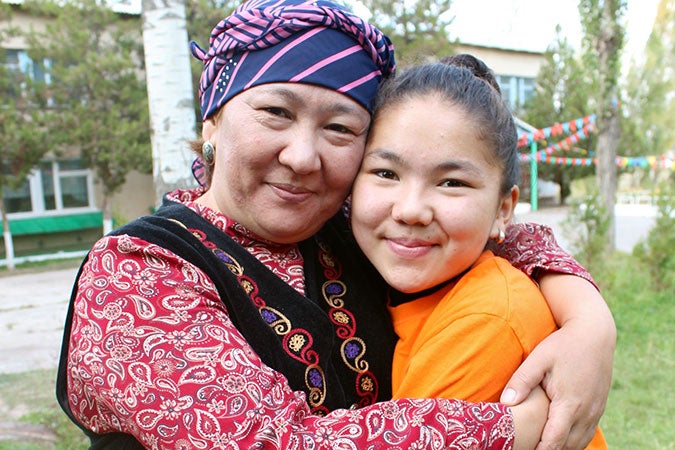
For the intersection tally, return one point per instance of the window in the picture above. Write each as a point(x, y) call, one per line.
point(18, 200)
point(516, 90)
point(54, 186)
point(19, 65)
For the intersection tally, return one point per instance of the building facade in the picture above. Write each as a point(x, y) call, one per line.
point(58, 207)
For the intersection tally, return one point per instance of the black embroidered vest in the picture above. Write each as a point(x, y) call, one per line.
point(335, 344)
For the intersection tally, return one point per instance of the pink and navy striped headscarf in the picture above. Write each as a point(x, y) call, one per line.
point(315, 42)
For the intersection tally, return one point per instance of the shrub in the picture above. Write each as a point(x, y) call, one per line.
point(656, 251)
point(587, 228)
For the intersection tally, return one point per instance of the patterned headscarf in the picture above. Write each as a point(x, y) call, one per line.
point(316, 42)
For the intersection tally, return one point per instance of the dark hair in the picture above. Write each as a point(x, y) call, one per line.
point(465, 81)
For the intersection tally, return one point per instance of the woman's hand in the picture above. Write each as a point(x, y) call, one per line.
point(574, 364)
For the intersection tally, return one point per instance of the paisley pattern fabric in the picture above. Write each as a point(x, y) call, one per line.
point(175, 373)
point(154, 353)
point(532, 248)
point(285, 261)
point(299, 342)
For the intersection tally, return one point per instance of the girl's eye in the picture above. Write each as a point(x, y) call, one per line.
point(453, 183)
point(384, 173)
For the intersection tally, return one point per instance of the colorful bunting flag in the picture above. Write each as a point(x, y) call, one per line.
point(580, 129)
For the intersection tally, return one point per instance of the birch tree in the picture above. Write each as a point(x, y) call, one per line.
point(603, 41)
point(170, 95)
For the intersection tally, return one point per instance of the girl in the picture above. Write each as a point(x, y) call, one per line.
point(436, 189)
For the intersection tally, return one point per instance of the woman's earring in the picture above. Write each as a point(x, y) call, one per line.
point(501, 237)
point(208, 152)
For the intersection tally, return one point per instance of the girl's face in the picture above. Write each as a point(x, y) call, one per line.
point(427, 197)
point(286, 157)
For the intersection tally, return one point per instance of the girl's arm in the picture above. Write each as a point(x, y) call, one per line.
point(574, 364)
point(529, 418)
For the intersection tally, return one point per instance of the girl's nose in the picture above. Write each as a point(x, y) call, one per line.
point(411, 208)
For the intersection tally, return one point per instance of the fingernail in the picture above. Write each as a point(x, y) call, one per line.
point(508, 396)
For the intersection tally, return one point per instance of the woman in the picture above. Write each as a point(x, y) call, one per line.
point(183, 323)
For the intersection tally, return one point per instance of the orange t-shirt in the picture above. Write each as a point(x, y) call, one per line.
point(467, 339)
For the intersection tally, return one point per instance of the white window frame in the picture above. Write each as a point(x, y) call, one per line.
point(37, 193)
point(516, 89)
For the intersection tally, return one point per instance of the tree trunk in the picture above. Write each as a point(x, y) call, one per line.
point(107, 215)
point(169, 84)
point(608, 141)
point(608, 116)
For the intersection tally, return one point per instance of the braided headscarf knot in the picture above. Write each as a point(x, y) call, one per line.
point(316, 42)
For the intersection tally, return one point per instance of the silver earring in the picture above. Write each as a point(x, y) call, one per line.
point(208, 152)
point(501, 237)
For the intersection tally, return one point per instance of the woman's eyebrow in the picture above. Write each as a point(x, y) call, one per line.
point(289, 95)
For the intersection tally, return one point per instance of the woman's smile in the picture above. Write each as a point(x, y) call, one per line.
point(290, 192)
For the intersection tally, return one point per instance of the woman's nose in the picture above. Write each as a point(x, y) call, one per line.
point(301, 154)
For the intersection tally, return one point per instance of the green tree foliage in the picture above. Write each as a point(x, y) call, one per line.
point(561, 94)
point(25, 140)
point(656, 251)
point(202, 16)
point(97, 89)
point(417, 28)
point(648, 119)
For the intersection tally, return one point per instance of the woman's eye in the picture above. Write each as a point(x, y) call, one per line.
point(339, 128)
point(276, 111)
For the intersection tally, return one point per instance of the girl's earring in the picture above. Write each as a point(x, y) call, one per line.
point(208, 152)
point(501, 237)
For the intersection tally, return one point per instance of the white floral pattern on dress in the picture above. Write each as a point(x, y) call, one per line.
point(172, 370)
point(153, 353)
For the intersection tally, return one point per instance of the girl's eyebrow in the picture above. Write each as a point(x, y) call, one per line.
point(466, 166)
point(463, 165)
point(385, 154)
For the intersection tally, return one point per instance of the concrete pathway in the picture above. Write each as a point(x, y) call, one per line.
point(32, 312)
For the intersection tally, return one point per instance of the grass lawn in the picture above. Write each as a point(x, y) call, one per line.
point(640, 411)
point(29, 397)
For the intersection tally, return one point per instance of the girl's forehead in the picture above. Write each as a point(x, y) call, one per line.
point(424, 131)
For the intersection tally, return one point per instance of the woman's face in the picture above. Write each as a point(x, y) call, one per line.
point(427, 197)
point(286, 156)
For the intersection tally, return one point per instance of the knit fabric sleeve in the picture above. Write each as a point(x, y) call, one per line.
point(533, 249)
point(154, 354)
